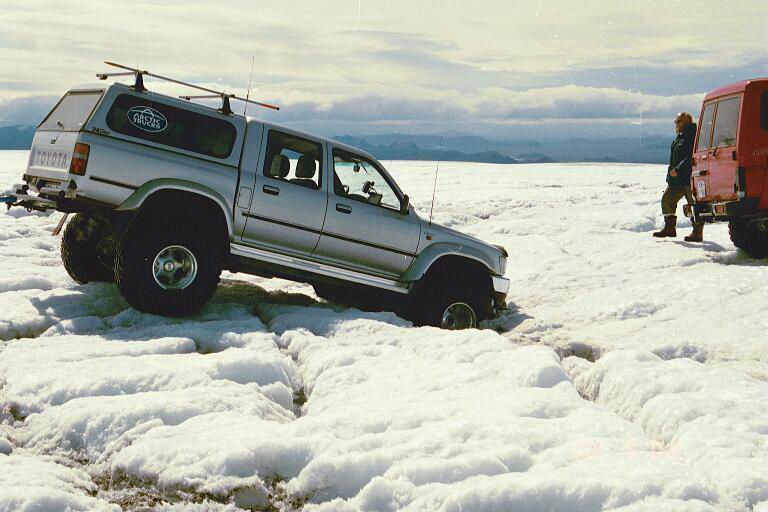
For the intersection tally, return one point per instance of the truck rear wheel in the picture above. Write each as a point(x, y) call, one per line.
point(750, 235)
point(81, 253)
point(171, 269)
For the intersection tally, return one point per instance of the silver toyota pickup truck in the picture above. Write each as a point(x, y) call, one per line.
point(168, 192)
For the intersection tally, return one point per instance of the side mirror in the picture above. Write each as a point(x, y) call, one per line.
point(404, 203)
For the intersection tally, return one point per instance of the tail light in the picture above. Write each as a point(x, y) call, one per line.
point(740, 187)
point(79, 159)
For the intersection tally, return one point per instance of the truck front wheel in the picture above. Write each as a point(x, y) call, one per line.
point(750, 235)
point(82, 250)
point(451, 302)
point(170, 269)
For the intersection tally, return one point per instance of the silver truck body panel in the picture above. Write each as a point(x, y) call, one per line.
point(438, 241)
point(284, 216)
point(269, 220)
point(135, 200)
point(319, 268)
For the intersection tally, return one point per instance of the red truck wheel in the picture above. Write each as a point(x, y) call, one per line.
point(750, 235)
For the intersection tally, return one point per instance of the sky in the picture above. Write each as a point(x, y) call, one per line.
point(501, 69)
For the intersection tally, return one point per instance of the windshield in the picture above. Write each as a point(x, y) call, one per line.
point(705, 127)
point(72, 112)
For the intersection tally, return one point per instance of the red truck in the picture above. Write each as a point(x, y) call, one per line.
point(730, 163)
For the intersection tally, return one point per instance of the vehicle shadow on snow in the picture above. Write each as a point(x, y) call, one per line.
point(507, 320)
point(740, 258)
point(244, 293)
point(285, 310)
point(706, 245)
point(281, 311)
point(724, 255)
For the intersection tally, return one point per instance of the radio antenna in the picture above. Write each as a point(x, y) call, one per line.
point(434, 186)
point(250, 81)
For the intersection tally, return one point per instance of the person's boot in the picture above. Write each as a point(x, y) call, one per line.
point(669, 227)
point(697, 235)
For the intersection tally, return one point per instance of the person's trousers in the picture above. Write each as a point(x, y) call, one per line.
point(672, 196)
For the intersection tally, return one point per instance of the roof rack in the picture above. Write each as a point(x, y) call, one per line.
point(138, 86)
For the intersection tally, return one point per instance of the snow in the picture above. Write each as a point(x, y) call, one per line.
point(629, 373)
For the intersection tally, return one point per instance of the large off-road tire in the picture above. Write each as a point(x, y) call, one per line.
point(169, 268)
point(452, 299)
point(83, 252)
point(750, 235)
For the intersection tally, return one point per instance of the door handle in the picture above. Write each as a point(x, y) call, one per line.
point(343, 208)
point(273, 191)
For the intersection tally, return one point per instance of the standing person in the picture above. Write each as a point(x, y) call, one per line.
point(679, 178)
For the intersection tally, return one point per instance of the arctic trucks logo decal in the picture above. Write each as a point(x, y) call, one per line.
point(147, 119)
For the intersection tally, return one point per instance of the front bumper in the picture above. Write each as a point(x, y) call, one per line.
point(500, 291)
point(723, 210)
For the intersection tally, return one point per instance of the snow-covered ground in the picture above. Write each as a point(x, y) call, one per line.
point(629, 373)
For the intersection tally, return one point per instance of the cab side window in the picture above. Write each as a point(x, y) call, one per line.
point(705, 127)
point(764, 110)
point(726, 122)
point(293, 160)
point(359, 179)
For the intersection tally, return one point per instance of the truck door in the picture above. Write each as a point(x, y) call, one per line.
point(364, 228)
point(722, 156)
point(289, 198)
point(701, 152)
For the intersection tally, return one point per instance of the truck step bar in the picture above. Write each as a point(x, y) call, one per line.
point(317, 268)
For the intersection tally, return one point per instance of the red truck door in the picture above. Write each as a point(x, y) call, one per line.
point(722, 155)
point(700, 175)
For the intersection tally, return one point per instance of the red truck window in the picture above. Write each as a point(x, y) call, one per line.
point(705, 127)
point(726, 122)
point(764, 110)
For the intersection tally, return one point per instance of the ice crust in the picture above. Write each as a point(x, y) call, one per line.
point(614, 382)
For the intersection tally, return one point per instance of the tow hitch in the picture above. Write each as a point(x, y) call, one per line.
point(21, 198)
point(25, 200)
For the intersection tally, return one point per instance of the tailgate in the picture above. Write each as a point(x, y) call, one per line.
point(51, 154)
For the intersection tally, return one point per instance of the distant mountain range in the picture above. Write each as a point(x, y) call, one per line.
point(16, 137)
point(467, 148)
point(470, 148)
point(408, 150)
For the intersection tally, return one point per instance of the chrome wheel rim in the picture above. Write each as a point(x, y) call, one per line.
point(174, 268)
point(458, 315)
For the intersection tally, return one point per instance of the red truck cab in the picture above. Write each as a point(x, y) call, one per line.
point(730, 162)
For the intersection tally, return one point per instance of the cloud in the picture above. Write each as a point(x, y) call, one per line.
point(401, 61)
point(495, 105)
point(449, 108)
point(578, 102)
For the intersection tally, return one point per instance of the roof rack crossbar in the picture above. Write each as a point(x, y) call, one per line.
point(139, 86)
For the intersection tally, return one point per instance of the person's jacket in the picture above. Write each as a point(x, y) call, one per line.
point(680, 156)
